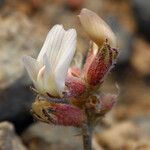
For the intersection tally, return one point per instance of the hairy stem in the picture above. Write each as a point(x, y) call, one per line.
point(87, 130)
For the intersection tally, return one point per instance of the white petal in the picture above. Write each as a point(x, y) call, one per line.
point(97, 28)
point(52, 43)
point(64, 58)
point(49, 81)
point(40, 80)
point(32, 67)
point(48, 70)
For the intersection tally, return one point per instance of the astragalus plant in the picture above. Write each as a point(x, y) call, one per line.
point(70, 96)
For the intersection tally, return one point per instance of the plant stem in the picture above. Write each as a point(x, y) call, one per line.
point(87, 134)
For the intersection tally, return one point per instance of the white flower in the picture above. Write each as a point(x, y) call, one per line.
point(48, 72)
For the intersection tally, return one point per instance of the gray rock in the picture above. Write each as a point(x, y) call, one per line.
point(48, 137)
point(124, 135)
point(141, 12)
point(19, 36)
point(143, 121)
point(8, 139)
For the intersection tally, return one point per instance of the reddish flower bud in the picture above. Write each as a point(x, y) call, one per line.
point(57, 113)
point(75, 86)
point(107, 101)
point(103, 53)
point(99, 62)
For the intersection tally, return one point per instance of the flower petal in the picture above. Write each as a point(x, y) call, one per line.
point(32, 67)
point(52, 43)
point(49, 81)
point(64, 58)
point(40, 80)
point(97, 28)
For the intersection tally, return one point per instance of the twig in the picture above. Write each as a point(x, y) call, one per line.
point(87, 130)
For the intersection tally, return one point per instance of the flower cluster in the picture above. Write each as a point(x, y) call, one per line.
point(65, 94)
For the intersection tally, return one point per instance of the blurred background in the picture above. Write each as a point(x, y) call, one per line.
point(23, 28)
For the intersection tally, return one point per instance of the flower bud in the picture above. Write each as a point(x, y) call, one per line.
point(96, 28)
point(75, 86)
point(57, 113)
point(98, 63)
point(107, 101)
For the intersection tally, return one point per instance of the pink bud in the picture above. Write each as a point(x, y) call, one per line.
point(107, 101)
point(57, 113)
point(98, 64)
point(75, 86)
